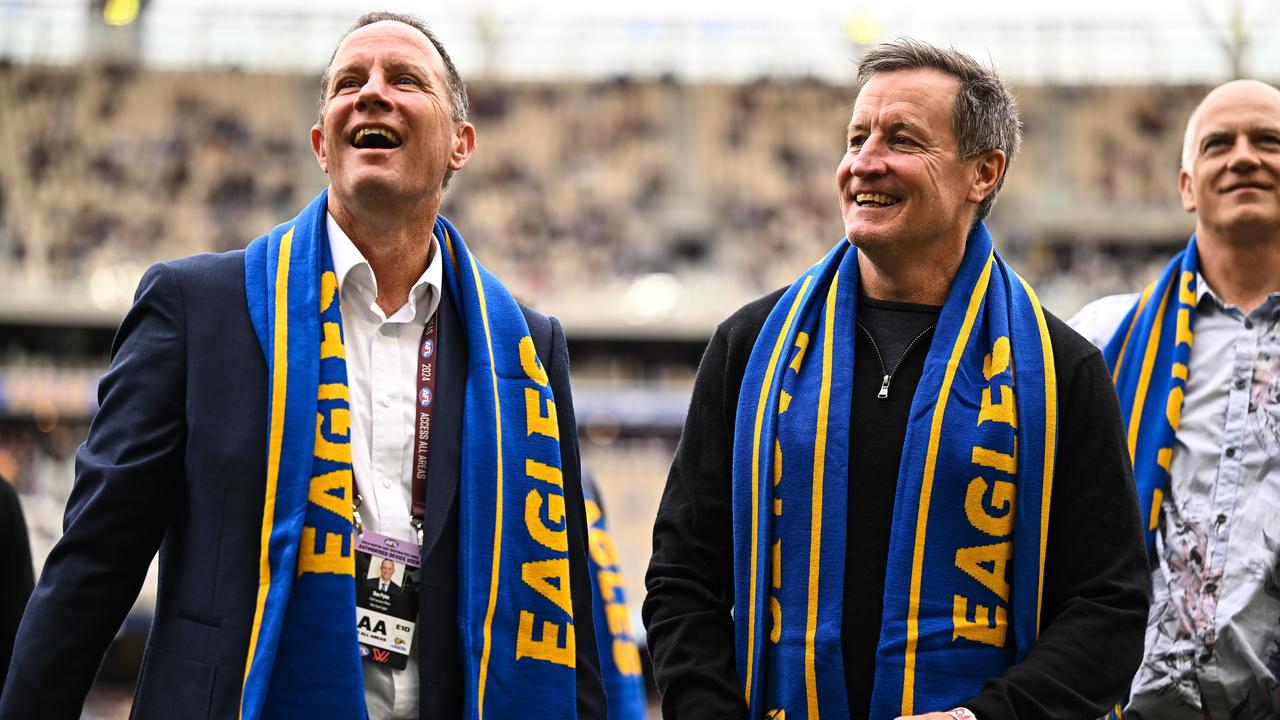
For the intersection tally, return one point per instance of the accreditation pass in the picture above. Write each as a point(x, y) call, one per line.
point(387, 582)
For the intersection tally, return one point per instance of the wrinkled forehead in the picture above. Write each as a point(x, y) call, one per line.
point(386, 38)
point(921, 97)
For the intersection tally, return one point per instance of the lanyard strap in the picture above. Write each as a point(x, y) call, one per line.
point(422, 425)
point(424, 405)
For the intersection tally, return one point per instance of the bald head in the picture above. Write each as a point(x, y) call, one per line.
point(1228, 94)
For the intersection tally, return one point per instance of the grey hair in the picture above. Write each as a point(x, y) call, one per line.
point(985, 116)
point(1189, 137)
point(457, 90)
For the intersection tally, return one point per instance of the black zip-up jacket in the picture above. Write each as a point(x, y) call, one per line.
point(1096, 585)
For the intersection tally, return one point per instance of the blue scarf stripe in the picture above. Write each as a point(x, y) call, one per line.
point(930, 471)
point(795, 630)
point(306, 586)
point(964, 503)
point(277, 341)
point(1130, 322)
point(1151, 392)
point(816, 510)
point(831, 451)
point(1037, 451)
point(1047, 370)
point(513, 575)
point(317, 665)
point(619, 656)
point(496, 554)
point(1151, 348)
point(750, 643)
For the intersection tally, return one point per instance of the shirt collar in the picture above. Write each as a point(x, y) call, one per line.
point(350, 263)
point(1203, 290)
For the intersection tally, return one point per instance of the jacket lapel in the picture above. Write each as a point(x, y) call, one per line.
point(444, 460)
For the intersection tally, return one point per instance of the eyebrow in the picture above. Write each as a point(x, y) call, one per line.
point(1212, 135)
point(393, 66)
point(893, 126)
point(1218, 134)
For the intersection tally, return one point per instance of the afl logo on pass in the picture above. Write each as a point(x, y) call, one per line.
point(428, 348)
point(424, 397)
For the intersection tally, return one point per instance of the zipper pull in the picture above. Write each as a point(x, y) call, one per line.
point(884, 388)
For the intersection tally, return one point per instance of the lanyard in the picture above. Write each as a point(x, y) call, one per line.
point(424, 406)
point(422, 426)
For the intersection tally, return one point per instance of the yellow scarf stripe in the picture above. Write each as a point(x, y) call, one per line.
point(1050, 438)
point(926, 487)
point(1144, 378)
point(1142, 304)
point(497, 518)
point(815, 525)
point(765, 388)
point(279, 381)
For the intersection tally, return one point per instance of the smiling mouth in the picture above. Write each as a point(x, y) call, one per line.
point(874, 200)
point(375, 139)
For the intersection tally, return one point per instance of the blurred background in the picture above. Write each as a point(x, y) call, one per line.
point(643, 169)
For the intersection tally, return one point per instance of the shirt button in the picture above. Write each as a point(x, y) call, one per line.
point(1248, 324)
point(1240, 383)
point(386, 401)
point(386, 483)
point(1231, 452)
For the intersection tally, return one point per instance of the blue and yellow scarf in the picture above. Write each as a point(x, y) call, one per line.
point(619, 656)
point(1149, 358)
point(966, 554)
point(515, 617)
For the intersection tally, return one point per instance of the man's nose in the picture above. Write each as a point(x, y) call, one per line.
point(869, 159)
point(373, 93)
point(1244, 156)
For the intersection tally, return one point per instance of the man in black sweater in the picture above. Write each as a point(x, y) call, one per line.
point(931, 135)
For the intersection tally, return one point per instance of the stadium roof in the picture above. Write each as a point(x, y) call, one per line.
point(1086, 41)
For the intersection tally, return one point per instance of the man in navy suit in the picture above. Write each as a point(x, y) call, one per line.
point(175, 460)
point(384, 583)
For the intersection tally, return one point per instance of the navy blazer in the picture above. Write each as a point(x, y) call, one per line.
point(175, 461)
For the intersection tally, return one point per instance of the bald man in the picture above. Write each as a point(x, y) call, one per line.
point(1196, 359)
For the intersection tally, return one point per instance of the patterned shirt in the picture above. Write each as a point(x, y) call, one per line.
point(1213, 636)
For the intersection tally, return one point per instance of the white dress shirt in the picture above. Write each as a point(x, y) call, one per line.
point(382, 367)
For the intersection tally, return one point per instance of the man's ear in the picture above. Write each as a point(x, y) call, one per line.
point(464, 145)
point(1185, 190)
point(988, 171)
point(317, 147)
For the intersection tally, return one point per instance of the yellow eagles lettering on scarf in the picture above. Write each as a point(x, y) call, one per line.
point(995, 518)
point(331, 491)
point(550, 578)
